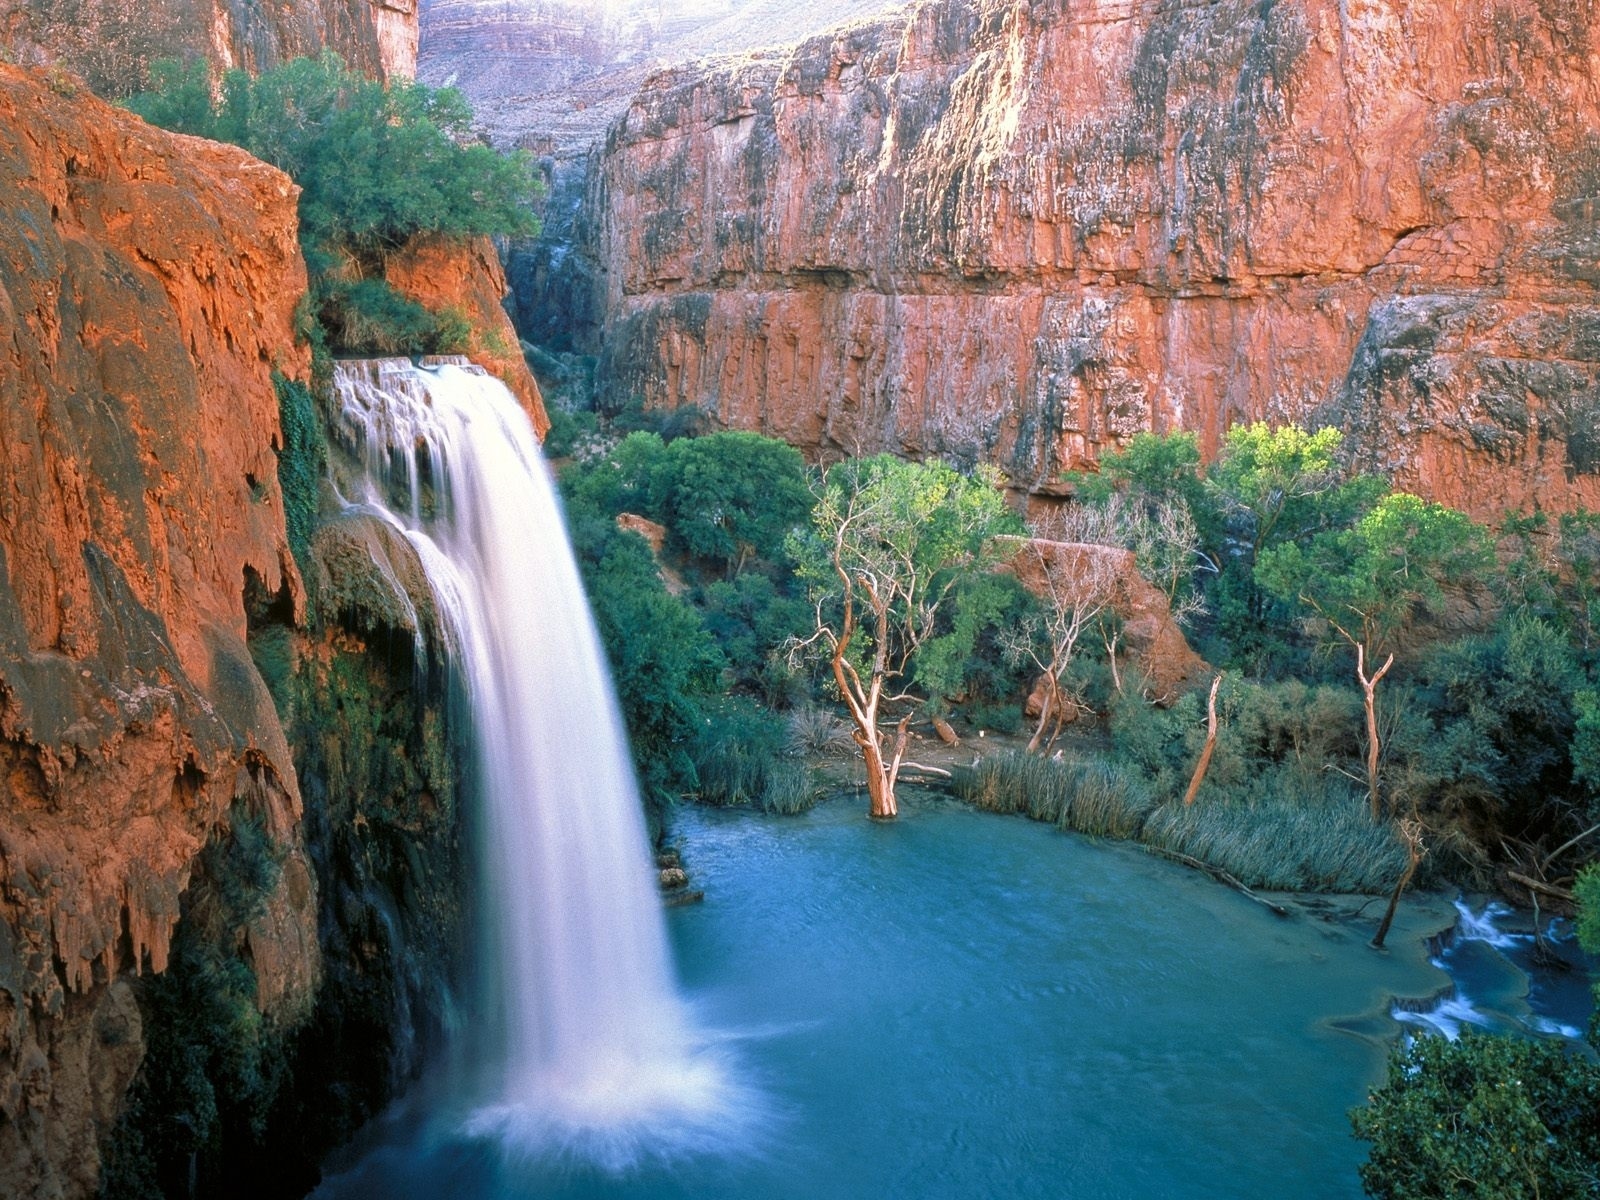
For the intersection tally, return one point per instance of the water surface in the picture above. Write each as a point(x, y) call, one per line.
point(962, 1005)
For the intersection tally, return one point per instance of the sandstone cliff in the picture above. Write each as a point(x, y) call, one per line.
point(112, 43)
point(466, 278)
point(147, 290)
point(1021, 232)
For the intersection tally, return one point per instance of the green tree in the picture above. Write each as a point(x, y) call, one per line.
point(378, 164)
point(1483, 1118)
point(890, 543)
point(1371, 581)
point(1271, 487)
point(732, 496)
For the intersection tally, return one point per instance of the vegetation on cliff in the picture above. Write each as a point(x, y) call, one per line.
point(378, 165)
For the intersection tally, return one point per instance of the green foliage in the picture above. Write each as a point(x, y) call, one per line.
point(896, 539)
point(1483, 1118)
point(1088, 795)
point(377, 164)
point(968, 658)
point(730, 497)
point(622, 481)
point(1273, 488)
point(1152, 468)
point(1273, 739)
point(817, 732)
point(1320, 839)
point(301, 461)
point(742, 757)
point(735, 749)
point(370, 317)
point(662, 659)
point(1281, 485)
point(1586, 746)
point(212, 1068)
point(1587, 889)
point(1371, 581)
point(1494, 721)
point(751, 616)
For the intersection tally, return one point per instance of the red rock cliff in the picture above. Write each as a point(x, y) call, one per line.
point(147, 289)
point(112, 43)
point(1023, 231)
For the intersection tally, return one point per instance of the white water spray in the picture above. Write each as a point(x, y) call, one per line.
point(589, 1052)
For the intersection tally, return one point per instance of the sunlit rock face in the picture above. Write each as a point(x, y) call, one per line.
point(551, 75)
point(112, 43)
point(1023, 232)
point(147, 290)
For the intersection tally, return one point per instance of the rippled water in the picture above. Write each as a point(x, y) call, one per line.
point(959, 1005)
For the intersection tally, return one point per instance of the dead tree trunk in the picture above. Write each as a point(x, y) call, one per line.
point(1411, 831)
point(1210, 747)
point(1369, 689)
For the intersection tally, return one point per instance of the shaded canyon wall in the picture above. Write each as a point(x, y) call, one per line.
point(1022, 232)
point(231, 884)
point(147, 290)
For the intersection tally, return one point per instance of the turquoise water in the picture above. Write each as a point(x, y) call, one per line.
point(960, 1005)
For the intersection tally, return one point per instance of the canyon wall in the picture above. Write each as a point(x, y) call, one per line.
point(1023, 230)
point(147, 291)
point(111, 43)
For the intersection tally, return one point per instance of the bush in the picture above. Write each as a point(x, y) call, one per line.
point(1088, 795)
point(740, 759)
point(735, 750)
point(301, 461)
point(1314, 843)
point(791, 788)
point(1273, 739)
point(1487, 1117)
point(378, 164)
point(815, 732)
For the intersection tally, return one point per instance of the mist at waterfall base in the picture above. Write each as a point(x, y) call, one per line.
point(579, 1048)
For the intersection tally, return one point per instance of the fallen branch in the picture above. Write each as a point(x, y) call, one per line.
point(1567, 845)
point(1219, 875)
point(908, 765)
point(1549, 889)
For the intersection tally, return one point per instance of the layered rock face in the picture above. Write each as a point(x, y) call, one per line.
point(112, 43)
point(466, 278)
point(1022, 232)
point(147, 290)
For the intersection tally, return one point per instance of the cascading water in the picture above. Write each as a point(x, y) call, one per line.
point(586, 1050)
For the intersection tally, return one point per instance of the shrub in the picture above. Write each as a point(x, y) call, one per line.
point(735, 750)
point(378, 164)
point(301, 461)
point(1486, 1116)
point(1320, 843)
point(1087, 795)
point(791, 788)
point(816, 732)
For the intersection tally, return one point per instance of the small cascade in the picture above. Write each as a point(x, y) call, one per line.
point(584, 1050)
point(1496, 982)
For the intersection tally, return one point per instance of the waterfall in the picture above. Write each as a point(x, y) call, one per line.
point(583, 1046)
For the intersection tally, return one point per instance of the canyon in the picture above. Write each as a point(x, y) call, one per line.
point(990, 230)
point(1021, 233)
point(149, 290)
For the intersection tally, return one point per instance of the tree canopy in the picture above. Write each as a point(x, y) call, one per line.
point(890, 542)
